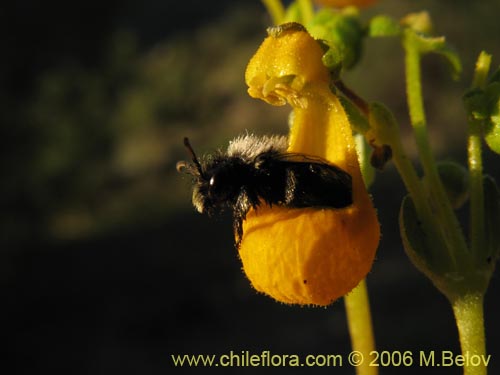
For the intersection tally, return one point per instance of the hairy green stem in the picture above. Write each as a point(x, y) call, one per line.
point(359, 320)
point(468, 310)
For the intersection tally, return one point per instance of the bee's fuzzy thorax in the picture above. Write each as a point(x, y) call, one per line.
point(249, 146)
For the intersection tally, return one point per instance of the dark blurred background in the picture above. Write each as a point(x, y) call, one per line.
point(105, 267)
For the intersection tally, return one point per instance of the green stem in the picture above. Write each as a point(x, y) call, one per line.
point(475, 162)
point(275, 9)
point(359, 320)
point(451, 233)
point(468, 310)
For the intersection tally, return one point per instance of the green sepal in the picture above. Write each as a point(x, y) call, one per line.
point(383, 26)
point(452, 279)
point(332, 58)
point(358, 122)
point(342, 32)
point(425, 254)
point(491, 223)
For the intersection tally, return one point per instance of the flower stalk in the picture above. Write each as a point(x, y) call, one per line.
point(359, 321)
point(452, 234)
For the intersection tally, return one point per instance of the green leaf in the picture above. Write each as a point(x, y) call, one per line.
point(383, 26)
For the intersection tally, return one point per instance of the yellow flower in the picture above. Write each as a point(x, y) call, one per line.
point(310, 255)
point(343, 3)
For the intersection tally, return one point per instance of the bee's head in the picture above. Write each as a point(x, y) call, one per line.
point(213, 188)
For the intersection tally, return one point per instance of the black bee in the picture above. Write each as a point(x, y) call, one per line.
point(256, 170)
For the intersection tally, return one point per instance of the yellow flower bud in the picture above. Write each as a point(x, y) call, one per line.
point(307, 255)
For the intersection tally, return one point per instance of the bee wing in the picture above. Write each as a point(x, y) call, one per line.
point(312, 181)
point(296, 157)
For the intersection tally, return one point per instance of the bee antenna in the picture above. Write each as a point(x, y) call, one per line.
point(193, 156)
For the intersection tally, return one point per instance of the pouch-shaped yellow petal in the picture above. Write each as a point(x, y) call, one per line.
point(309, 255)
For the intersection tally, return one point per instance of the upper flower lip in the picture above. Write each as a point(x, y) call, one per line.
point(286, 73)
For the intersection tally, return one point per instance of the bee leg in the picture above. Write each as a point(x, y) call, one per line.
point(243, 204)
point(238, 230)
point(240, 210)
